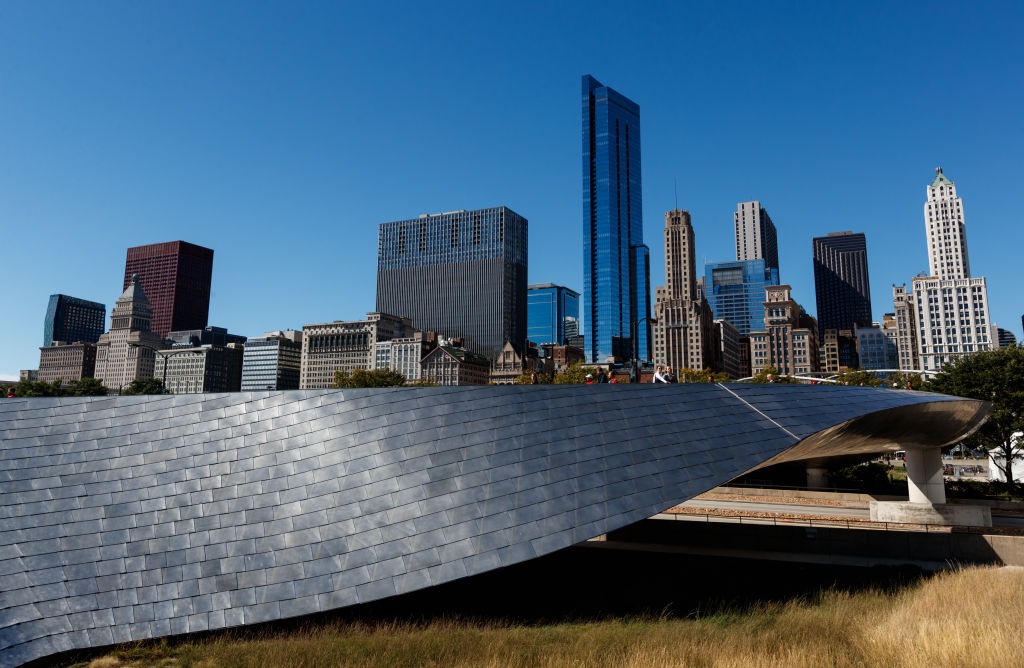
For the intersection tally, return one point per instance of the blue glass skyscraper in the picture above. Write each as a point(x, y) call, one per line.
point(552, 314)
point(735, 291)
point(616, 263)
point(70, 319)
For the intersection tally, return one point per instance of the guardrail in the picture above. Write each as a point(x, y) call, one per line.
point(811, 522)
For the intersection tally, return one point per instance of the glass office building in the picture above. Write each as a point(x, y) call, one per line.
point(70, 319)
point(461, 274)
point(552, 314)
point(736, 292)
point(272, 361)
point(841, 285)
point(616, 263)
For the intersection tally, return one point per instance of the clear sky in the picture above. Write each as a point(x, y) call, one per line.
point(281, 134)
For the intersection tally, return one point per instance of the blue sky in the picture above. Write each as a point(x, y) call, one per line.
point(281, 134)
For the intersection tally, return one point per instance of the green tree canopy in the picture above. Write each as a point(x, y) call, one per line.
point(770, 374)
point(373, 378)
point(996, 376)
point(575, 374)
point(859, 377)
point(145, 386)
point(38, 388)
point(86, 387)
point(701, 376)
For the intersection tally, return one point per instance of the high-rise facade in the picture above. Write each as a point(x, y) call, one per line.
point(127, 351)
point(70, 319)
point(272, 361)
point(952, 315)
point(756, 238)
point(176, 276)
point(204, 368)
point(735, 291)
point(616, 263)
point(789, 340)
point(684, 327)
point(461, 274)
point(552, 314)
point(842, 288)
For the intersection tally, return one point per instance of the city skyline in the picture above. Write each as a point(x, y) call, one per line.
point(133, 125)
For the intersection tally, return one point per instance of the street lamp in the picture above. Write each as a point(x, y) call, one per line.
point(634, 330)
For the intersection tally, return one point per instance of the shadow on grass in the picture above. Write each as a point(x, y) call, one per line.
point(583, 584)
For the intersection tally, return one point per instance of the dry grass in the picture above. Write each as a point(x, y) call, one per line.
point(971, 617)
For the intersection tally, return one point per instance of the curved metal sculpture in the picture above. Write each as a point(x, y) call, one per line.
point(139, 517)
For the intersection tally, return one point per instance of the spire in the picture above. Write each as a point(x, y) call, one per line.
point(940, 179)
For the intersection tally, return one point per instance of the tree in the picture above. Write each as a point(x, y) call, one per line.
point(858, 377)
point(86, 387)
point(907, 381)
point(770, 374)
point(365, 378)
point(576, 374)
point(996, 376)
point(145, 386)
point(702, 376)
point(39, 388)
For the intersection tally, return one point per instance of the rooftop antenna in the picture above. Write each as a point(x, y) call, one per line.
point(675, 191)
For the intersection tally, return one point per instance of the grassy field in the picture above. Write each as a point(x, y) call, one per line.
point(972, 617)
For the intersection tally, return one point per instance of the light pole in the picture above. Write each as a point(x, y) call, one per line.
point(634, 330)
point(165, 354)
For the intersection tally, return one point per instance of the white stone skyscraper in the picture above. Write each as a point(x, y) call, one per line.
point(944, 225)
point(950, 308)
point(755, 234)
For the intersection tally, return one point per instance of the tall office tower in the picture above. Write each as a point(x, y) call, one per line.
point(461, 274)
point(272, 361)
point(616, 263)
point(345, 346)
point(127, 352)
point(841, 285)
point(67, 361)
point(735, 291)
point(70, 319)
point(552, 314)
point(683, 328)
point(755, 234)
point(176, 277)
point(906, 328)
point(789, 340)
point(952, 307)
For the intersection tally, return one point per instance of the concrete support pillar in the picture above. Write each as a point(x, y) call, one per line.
point(924, 476)
point(817, 477)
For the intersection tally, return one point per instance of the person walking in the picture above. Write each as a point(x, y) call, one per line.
point(670, 377)
point(659, 377)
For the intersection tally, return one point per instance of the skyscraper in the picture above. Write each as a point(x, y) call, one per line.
point(552, 314)
point(176, 276)
point(735, 291)
point(127, 351)
point(461, 274)
point(616, 263)
point(70, 319)
point(756, 238)
point(951, 315)
point(841, 285)
point(683, 331)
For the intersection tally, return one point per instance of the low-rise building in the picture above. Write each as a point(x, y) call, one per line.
point(789, 341)
point(448, 365)
point(67, 361)
point(345, 345)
